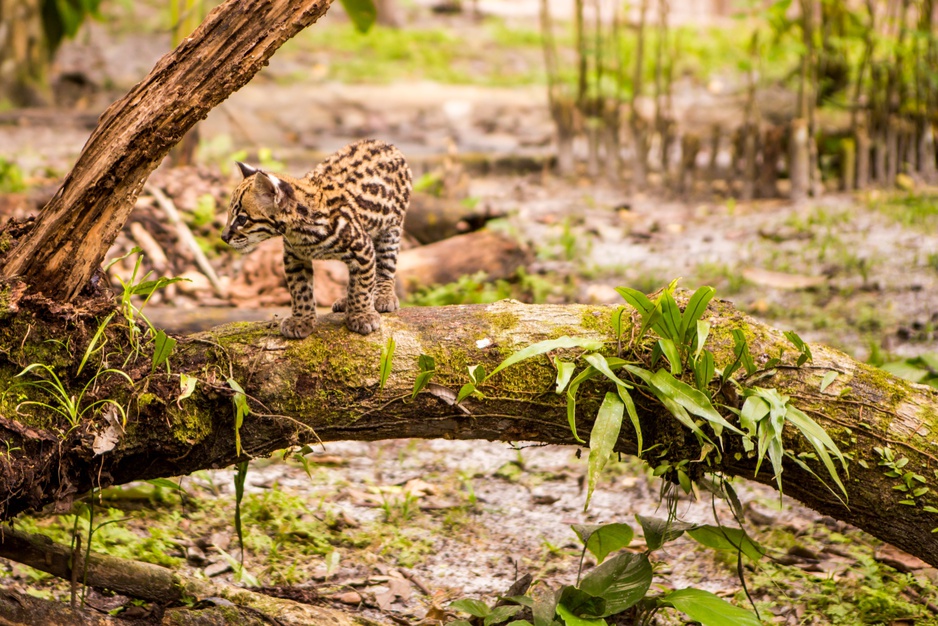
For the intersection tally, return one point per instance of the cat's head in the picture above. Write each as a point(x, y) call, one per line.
point(257, 208)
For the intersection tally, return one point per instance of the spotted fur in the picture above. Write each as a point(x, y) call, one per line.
point(350, 208)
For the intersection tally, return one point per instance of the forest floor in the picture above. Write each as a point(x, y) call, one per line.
point(400, 527)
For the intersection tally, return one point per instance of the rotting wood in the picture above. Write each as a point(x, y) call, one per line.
point(325, 388)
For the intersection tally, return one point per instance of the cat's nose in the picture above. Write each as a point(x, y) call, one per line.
point(226, 236)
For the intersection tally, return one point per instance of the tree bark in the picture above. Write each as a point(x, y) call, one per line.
point(76, 228)
point(326, 388)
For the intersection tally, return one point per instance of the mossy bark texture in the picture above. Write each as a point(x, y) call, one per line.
point(326, 388)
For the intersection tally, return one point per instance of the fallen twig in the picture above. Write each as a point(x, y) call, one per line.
point(186, 237)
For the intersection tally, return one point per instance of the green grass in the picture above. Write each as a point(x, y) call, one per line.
point(386, 55)
point(476, 289)
point(863, 592)
point(912, 210)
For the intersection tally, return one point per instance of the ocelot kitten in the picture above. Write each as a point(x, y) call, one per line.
point(351, 207)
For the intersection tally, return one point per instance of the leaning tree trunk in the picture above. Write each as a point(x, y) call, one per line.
point(326, 388)
point(76, 228)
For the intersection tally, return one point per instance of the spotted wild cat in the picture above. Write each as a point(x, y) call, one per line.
point(351, 207)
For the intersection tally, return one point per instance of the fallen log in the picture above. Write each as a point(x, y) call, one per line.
point(327, 388)
point(430, 219)
point(497, 255)
point(148, 582)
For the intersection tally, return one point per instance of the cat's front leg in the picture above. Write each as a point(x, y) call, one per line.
point(299, 273)
point(359, 305)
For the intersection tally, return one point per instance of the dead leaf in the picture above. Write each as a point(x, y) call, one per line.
point(106, 441)
point(385, 599)
point(401, 588)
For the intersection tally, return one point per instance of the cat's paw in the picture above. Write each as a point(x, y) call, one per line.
point(363, 322)
point(386, 302)
point(297, 327)
point(339, 305)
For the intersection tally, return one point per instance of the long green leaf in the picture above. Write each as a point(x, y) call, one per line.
point(465, 391)
point(679, 412)
point(186, 387)
point(565, 371)
point(696, 307)
point(387, 354)
point(674, 358)
point(708, 609)
point(241, 472)
point(500, 614)
point(723, 538)
point(422, 379)
point(546, 346)
point(476, 608)
point(633, 417)
point(147, 287)
point(601, 365)
point(427, 369)
point(821, 442)
point(703, 331)
point(704, 370)
point(636, 299)
point(670, 318)
point(163, 346)
point(693, 400)
point(242, 410)
point(94, 342)
point(586, 374)
point(603, 439)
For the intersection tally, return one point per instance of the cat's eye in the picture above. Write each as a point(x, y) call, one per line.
point(239, 221)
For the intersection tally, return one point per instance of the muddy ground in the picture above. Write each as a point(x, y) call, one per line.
point(415, 524)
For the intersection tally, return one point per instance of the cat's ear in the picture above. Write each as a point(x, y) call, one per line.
point(246, 170)
point(271, 190)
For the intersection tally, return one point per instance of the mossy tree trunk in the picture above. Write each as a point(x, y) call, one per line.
point(327, 388)
point(76, 228)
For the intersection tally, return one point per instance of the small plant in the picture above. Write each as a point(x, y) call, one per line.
point(619, 586)
point(11, 177)
point(145, 287)
point(204, 212)
point(911, 484)
point(386, 355)
point(682, 336)
point(430, 183)
point(71, 407)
